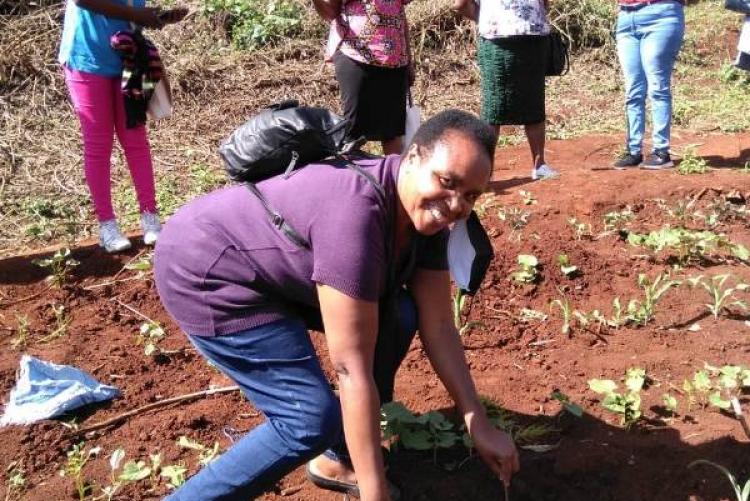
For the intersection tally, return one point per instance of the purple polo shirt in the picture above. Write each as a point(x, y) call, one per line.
point(221, 267)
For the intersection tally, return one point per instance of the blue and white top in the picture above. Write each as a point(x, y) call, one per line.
point(507, 18)
point(85, 39)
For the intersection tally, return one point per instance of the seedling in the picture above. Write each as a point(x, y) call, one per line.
point(59, 265)
point(618, 319)
point(16, 481)
point(527, 197)
point(617, 219)
point(569, 406)
point(566, 310)
point(150, 335)
point(132, 471)
point(742, 493)
point(459, 301)
point(697, 388)
point(670, 402)
point(78, 456)
point(488, 201)
point(628, 404)
point(566, 268)
point(175, 475)
point(731, 379)
point(690, 245)
point(582, 230)
point(653, 291)
point(205, 454)
point(585, 319)
point(692, 164)
point(22, 333)
point(527, 269)
point(62, 321)
point(430, 431)
point(516, 218)
point(531, 315)
point(721, 298)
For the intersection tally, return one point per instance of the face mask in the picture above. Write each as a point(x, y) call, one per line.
point(469, 253)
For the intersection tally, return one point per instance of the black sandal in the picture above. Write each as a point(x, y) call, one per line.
point(347, 488)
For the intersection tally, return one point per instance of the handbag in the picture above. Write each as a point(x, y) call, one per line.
point(160, 102)
point(558, 62)
point(741, 6)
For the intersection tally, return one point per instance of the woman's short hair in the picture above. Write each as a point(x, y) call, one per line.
point(452, 120)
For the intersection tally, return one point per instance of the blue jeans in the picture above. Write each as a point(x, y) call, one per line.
point(277, 369)
point(648, 41)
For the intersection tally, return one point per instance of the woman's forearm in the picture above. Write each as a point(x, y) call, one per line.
point(467, 9)
point(446, 354)
point(361, 413)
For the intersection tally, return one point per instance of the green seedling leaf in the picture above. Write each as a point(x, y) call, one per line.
point(419, 440)
point(670, 402)
point(570, 407)
point(716, 400)
point(635, 378)
point(602, 386)
point(527, 260)
point(175, 474)
point(116, 458)
point(701, 382)
point(134, 471)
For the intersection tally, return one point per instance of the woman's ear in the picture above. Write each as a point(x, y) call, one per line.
point(413, 155)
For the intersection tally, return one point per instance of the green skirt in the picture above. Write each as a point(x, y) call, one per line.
point(512, 71)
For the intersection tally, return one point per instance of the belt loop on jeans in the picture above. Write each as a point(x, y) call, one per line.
point(632, 8)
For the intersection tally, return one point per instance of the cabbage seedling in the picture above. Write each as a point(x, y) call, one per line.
point(59, 265)
point(175, 475)
point(205, 454)
point(566, 268)
point(628, 404)
point(527, 269)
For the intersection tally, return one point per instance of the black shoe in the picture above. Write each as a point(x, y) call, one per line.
point(658, 160)
point(628, 161)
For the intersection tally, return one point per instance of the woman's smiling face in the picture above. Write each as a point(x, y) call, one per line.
point(439, 187)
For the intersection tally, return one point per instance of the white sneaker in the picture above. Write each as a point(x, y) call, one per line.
point(151, 227)
point(544, 171)
point(111, 238)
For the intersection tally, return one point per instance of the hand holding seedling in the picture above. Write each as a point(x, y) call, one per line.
point(497, 450)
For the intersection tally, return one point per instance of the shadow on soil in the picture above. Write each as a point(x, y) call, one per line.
point(719, 162)
point(592, 461)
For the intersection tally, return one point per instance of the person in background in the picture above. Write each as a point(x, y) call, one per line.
point(237, 285)
point(649, 35)
point(513, 51)
point(93, 72)
point(369, 47)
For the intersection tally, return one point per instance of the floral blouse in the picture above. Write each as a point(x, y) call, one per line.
point(371, 32)
point(506, 18)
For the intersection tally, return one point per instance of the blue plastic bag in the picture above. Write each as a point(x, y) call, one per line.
point(45, 390)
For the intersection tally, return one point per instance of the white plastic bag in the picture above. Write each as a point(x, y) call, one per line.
point(160, 104)
point(413, 120)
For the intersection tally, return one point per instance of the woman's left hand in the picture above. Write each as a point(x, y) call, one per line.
point(497, 450)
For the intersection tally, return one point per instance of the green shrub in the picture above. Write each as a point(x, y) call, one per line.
point(255, 23)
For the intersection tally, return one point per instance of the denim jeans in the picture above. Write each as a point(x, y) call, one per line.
point(648, 41)
point(277, 369)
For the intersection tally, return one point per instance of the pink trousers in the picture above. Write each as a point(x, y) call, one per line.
point(100, 108)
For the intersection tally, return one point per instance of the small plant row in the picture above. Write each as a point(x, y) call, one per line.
point(719, 387)
point(132, 471)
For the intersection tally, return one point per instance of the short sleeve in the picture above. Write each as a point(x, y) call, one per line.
point(347, 237)
point(432, 251)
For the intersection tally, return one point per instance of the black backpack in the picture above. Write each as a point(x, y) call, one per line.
point(285, 137)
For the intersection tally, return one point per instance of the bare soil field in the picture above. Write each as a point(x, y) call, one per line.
point(517, 359)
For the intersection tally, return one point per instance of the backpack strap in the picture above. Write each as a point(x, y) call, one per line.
point(277, 219)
